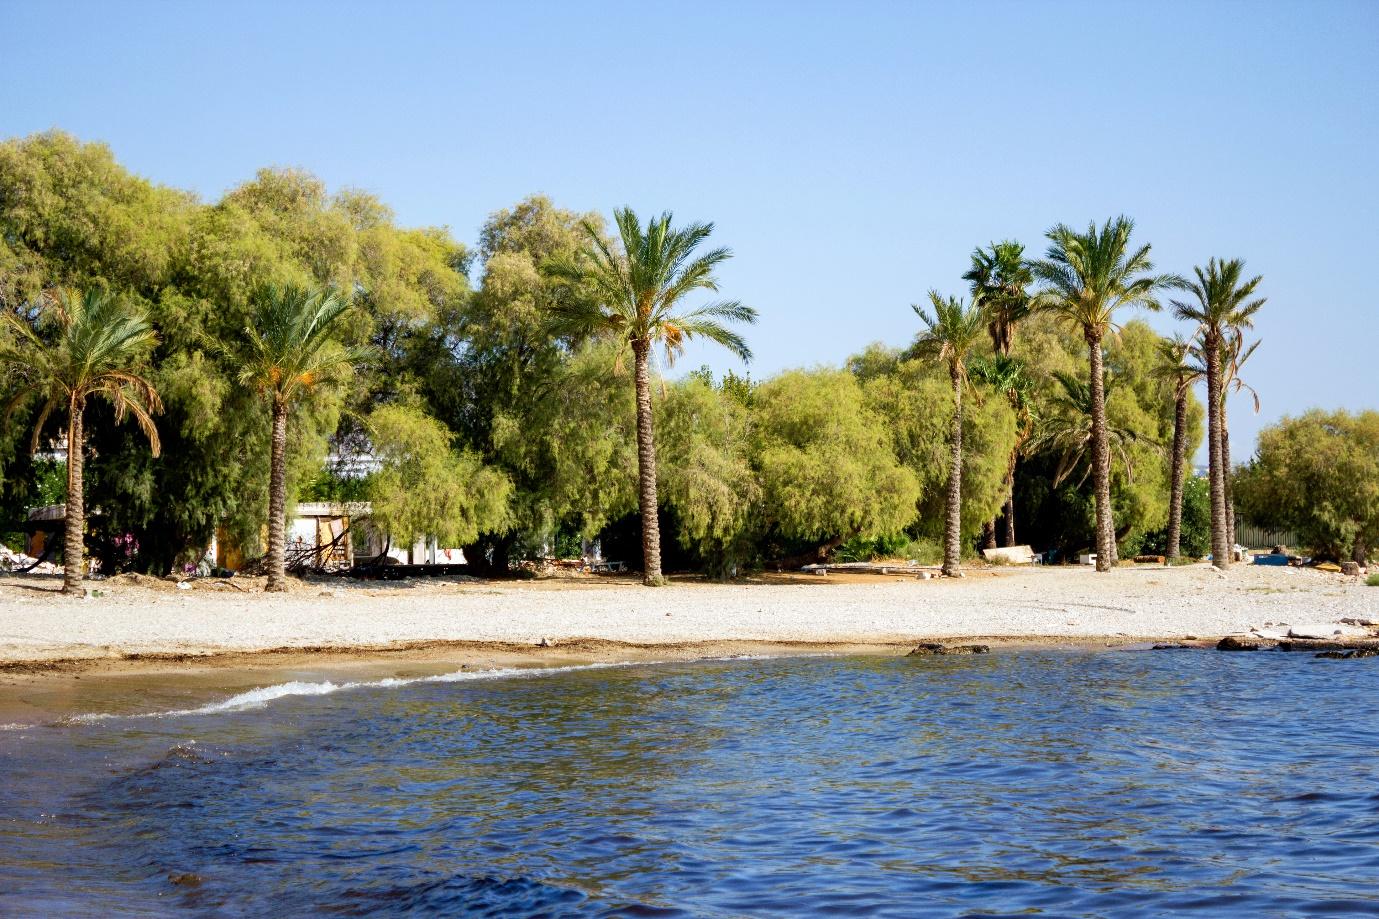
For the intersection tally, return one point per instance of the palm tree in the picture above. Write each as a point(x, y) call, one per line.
point(1233, 357)
point(96, 342)
point(1086, 277)
point(1223, 304)
point(1001, 277)
point(290, 351)
point(1007, 375)
point(949, 336)
point(1174, 354)
point(1066, 431)
point(636, 295)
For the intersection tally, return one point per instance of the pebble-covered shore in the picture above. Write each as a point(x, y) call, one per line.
point(1073, 603)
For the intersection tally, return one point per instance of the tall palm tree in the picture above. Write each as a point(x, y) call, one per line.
point(1007, 375)
point(90, 346)
point(290, 350)
point(1224, 302)
point(1176, 366)
point(1085, 278)
point(949, 336)
point(637, 295)
point(1001, 278)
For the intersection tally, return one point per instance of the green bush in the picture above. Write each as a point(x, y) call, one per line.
point(1373, 579)
point(924, 550)
point(1194, 538)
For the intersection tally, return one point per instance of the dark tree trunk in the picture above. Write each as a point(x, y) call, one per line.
point(952, 532)
point(1360, 554)
point(1008, 510)
point(1175, 500)
point(1003, 341)
point(646, 469)
point(476, 556)
point(1220, 547)
point(277, 501)
point(1226, 490)
point(74, 526)
point(1101, 458)
point(1008, 514)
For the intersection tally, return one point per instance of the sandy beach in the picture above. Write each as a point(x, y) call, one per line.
point(120, 619)
point(139, 644)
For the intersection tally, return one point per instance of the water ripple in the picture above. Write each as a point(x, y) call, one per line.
point(1068, 784)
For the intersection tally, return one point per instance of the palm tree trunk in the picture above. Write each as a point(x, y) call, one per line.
point(1008, 512)
point(1101, 458)
point(74, 524)
point(1175, 500)
point(952, 533)
point(1226, 490)
point(646, 469)
point(277, 500)
point(1220, 554)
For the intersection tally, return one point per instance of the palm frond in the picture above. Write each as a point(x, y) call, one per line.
point(633, 296)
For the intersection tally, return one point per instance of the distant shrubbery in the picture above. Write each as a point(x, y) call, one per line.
point(1317, 475)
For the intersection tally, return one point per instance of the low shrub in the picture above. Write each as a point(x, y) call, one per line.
point(1373, 579)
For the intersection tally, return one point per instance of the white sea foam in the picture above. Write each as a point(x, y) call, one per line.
point(263, 695)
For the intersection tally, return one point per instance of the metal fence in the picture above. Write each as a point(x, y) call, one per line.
point(1253, 537)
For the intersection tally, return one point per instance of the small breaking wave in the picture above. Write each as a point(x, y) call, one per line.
point(264, 695)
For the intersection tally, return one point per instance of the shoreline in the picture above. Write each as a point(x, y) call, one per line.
point(53, 692)
point(143, 644)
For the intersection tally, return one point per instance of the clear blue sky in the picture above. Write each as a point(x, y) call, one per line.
point(852, 154)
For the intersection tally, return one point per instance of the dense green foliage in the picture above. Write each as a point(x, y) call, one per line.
point(1317, 475)
point(496, 420)
point(1195, 538)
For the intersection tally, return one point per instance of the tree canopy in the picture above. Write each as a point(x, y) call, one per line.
point(496, 422)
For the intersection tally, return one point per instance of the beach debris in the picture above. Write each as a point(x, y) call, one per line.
point(1171, 647)
point(1348, 655)
point(1329, 644)
point(925, 576)
point(1331, 567)
point(1326, 630)
point(1239, 643)
point(184, 585)
point(1010, 555)
point(546, 643)
point(927, 648)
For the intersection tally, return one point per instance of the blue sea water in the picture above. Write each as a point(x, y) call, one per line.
point(1032, 782)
